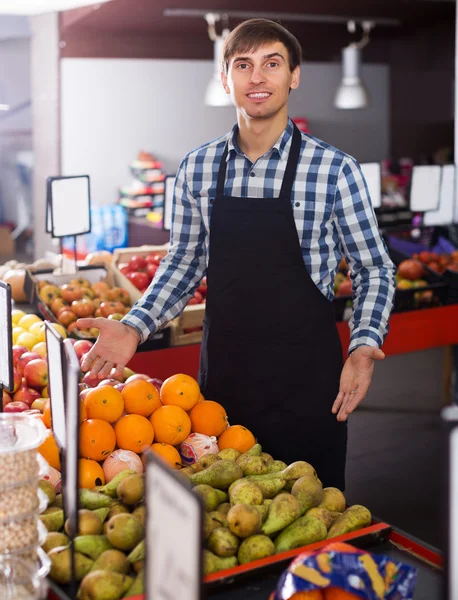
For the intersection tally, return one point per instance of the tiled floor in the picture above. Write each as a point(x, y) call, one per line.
point(396, 443)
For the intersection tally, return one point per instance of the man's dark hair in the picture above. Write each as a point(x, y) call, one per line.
point(251, 34)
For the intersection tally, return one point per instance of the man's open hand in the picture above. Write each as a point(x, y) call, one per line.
point(114, 348)
point(355, 380)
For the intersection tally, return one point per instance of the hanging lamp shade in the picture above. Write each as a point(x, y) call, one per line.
point(215, 94)
point(351, 93)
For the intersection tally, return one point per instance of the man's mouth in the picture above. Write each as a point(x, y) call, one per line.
point(259, 95)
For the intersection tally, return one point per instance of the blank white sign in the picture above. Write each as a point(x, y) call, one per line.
point(6, 366)
point(168, 202)
point(54, 344)
point(373, 175)
point(424, 194)
point(70, 206)
point(444, 214)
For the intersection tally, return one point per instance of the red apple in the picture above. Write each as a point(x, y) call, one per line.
point(136, 376)
point(5, 399)
point(151, 269)
point(18, 351)
point(82, 347)
point(92, 382)
point(119, 386)
point(139, 279)
point(25, 359)
point(36, 373)
point(156, 382)
point(83, 386)
point(136, 263)
point(16, 407)
point(26, 395)
point(111, 382)
point(17, 380)
point(345, 289)
point(84, 393)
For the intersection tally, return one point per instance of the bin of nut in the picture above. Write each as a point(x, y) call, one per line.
point(20, 498)
point(19, 580)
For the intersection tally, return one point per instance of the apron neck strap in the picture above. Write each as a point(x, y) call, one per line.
point(290, 171)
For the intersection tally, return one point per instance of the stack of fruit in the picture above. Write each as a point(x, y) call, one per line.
point(438, 262)
point(140, 270)
point(79, 298)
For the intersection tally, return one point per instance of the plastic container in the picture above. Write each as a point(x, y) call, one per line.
point(22, 580)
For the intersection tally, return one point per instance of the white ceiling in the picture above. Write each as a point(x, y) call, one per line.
point(36, 7)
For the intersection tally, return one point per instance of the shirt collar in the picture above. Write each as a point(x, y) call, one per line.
point(281, 146)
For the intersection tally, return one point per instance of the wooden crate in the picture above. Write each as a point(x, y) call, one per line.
point(191, 318)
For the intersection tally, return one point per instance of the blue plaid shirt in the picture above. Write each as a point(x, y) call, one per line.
point(333, 216)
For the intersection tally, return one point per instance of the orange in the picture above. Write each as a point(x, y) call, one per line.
point(90, 473)
point(169, 454)
point(238, 437)
point(171, 425)
point(50, 451)
point(104, 402)
point(180, 390)
point(310, 595)
point(83, 412)
point(134, 432)
point(333, 593)
point(47, 414)
point(97, 439)
point(201, 398)
point(209, 418)
point(340, 547)
point(140, 398)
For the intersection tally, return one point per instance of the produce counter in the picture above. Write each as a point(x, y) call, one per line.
point(409, 332)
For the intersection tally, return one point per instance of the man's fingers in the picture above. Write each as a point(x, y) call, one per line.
point(119, 370)
point(87, 323)
point(97, 367)
point(337, 402)
point(105, 371)
point(88, 359)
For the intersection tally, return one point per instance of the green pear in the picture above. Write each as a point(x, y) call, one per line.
point(213, 563)
point(138, 553)
point(61, 564)
point(255, 547)
point(102, 512)
point(59, 501)
point(322, 514)
point(111, 560)
point(270, 484)
point(312, 530)
point(253, 465)
point(55, 539)
point(223, 542)
point(125, 531)
point(354, 518)
point(243, 491)
point(268, 457)
point(243, 520)
point(229, 454)
point(131, 489)
point(116, 508)
point(208, 459)
point(333, 500)
point(52, 518)
point(277, 466)
point(254, 450)
point(92, 500)
point(309, 491)
point(92, 545)
point(140, 513)
point(208, 525)
point(89, 523)
point(48, 488)
point(224, 508)
point(219, 475)
point(217, 519)
point(210, 496)
point(138, 566)
point(109, 489)
point(298, 469)
point(104, 585)
point(138, 586)
point(263, 511)
point(284, 510)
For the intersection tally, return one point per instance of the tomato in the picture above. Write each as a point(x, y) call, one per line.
point(110, 308)
point(71, 292)
point(83, 308)
point(203, 287)
point(66, 316)
point(57, 303)
point(139, 279)
point(198, 296)
point(345, 289)
point(151, 269)
point(114, 294)
point(125, 270)
point(136, 263)
point(124, 297)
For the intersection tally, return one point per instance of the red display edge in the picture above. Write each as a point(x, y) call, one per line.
point(417, 549)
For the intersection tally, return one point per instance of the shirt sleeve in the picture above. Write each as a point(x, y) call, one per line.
point(372, 271)
point(180, 271)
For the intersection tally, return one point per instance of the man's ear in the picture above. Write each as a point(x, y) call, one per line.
point(224, 82)
point(296, 78)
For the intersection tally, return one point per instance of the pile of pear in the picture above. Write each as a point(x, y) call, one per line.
point(255, 507)
point(110, 545)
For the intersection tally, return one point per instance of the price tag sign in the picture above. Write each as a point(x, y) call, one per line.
point(424, 194)
point(72, 450)
point(55, 357)
point(444, 214)
point(169, 188)
point(6, 339)
point(373, 176)
point(68, 206)
point(173, 567)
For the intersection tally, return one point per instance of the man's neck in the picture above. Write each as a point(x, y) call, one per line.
point(257, 136)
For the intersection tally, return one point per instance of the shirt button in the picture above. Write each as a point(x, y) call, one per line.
point(252, 174)
point(211, 200)
point(297, 204)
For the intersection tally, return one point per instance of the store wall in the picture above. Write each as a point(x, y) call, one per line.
point(112, 108)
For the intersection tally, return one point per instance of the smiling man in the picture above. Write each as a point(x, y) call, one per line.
point(268, 212)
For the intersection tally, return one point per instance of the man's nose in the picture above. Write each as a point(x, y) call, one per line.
point(257, 75)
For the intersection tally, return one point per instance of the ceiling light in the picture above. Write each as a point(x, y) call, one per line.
point(4, 106)
point(351, 93)
point(215, 94)
point(36, 7)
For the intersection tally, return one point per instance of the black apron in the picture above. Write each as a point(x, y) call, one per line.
point(271, 353)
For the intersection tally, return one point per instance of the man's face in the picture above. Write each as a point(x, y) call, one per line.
point(259, 82)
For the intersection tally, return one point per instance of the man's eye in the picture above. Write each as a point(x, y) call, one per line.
point(273, 64)
point(242, 66)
